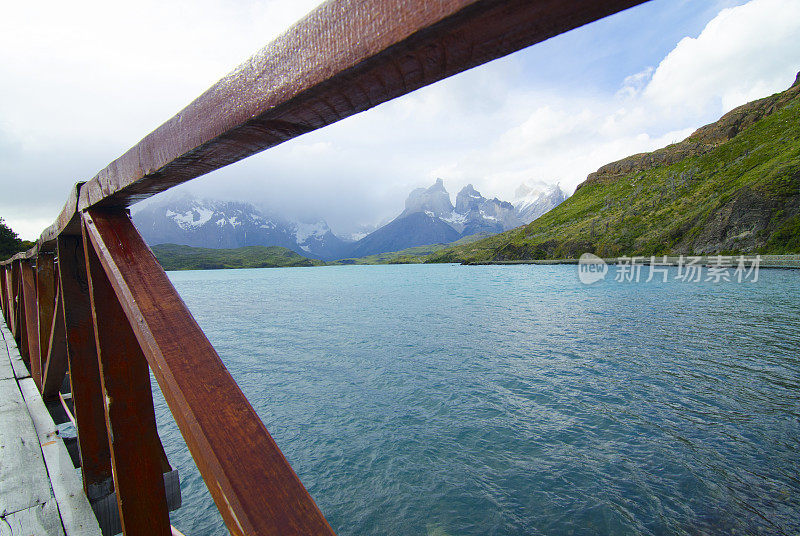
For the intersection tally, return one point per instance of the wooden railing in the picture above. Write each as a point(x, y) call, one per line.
point(91, 299)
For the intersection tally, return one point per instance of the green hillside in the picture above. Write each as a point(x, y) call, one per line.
point(731, 187)
point(413, 255)
point(174, 257)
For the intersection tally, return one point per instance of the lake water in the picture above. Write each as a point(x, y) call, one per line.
point(509, 400)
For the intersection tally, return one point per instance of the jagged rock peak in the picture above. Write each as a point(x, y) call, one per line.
point(434, 201)
point(796, 80)
point(468, 199)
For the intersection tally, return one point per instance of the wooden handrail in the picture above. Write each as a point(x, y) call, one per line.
point(221, 428)
point(344, 57)
point(111, 311)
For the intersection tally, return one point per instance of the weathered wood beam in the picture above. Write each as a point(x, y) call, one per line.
point(4, 271)
point(84, 369)
point(3, 291)
point(345, 57)
point(7, 293)
point(55, 360)
point(130, 418)
point(30, 313)
point(14, 297)
point(46, 299)
point(228, 441)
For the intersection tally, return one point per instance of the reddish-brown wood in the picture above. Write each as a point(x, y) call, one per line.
point(45, 299)
point(130, 417)
point(3, 303)
point(345, 57)
point(4, 271)
point(15, 298)
point(10, 298)
point(30, 339)
point(84, 368)
point(7, 293)
point(252, 484)
point(55, 362)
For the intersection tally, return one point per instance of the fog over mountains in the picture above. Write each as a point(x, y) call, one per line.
point(429, 217)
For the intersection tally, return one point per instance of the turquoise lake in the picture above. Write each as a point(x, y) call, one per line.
point(512, 400)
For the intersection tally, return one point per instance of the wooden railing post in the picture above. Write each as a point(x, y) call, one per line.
point(54, 361)
point(121, 313)
point(136, 452)
point(9, 296)
point(252, 483)
point(29, 312)
point(15, 299)
point(46, 297)
point(7, 293)
point(84, 369)
point(3, 292)
point(52, 344)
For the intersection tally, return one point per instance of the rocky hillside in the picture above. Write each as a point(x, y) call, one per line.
point(731, 187)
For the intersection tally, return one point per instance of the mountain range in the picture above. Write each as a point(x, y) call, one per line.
point(429, 217)
point(732, 187)
point(186, 220)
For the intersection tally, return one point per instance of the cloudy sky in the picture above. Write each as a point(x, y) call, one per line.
point(83, 81)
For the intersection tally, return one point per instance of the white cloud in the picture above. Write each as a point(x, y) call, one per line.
point(744, 53)
point(85, 80)
point(94, 77)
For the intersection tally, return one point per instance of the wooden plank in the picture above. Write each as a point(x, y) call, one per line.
point(30, 343)
point(130, 418)
point(9, 297)
point(343, 58)
point(229, 443)
point(76, 513)
point(3, 303)
point(6, 370)
point(23, 478)
point(39, 520)
point(107, 512)
point(15, 300)
point(21, 332)
point(20, 370)
point(84, 369)
point(3, 292)
point(55, 364)
point(67, 223)
point(45, 275)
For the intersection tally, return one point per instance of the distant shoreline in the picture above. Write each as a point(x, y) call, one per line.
point(790, 262)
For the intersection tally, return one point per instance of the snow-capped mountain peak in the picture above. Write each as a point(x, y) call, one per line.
point(533, 200)
point(227, 224)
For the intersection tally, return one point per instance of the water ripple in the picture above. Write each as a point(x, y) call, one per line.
point(449, 400)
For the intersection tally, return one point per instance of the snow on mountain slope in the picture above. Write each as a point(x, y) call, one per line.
point(531, 201)
point(189, 221)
